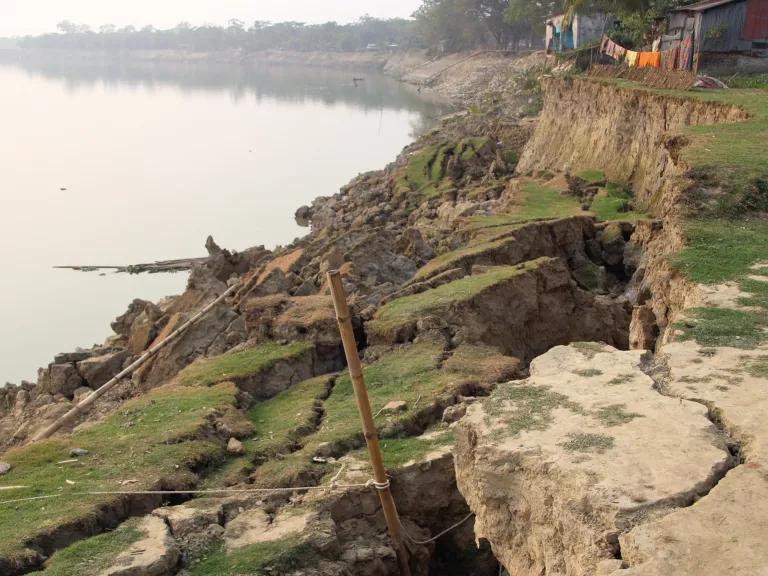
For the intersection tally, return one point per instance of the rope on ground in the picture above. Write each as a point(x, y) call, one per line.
point(443, 533)
point(209, 492)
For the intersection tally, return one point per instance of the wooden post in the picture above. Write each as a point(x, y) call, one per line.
point(369, 428)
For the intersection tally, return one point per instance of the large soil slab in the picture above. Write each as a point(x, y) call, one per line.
point(560, 464)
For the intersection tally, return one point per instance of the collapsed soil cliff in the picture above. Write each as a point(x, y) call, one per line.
point(632, 135)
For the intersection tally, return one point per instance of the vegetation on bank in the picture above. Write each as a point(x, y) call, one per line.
point(236, 366)
point(408, 309)
point(152, 440)
point(92, 556)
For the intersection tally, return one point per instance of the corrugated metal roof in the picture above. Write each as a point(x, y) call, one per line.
point(704, 6)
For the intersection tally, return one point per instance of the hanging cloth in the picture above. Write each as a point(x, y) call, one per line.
point(669, 57)
point(632, 57)
point(649, 60)
point(684, 63)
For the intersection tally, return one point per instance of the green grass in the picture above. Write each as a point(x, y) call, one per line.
point(613, 203)
point(621, 379)
point(724, 327)
point(405, 375)
point(408, 309)
point(410, 374)
point(540, 202)
point(750, 81)
point(287, 417)
point(397, 452)
point(583, 442)
point(759, 367)
point(719, 250)
point(92, 556)
point(455, 258)
point(152, 438)
point(521, 408)
point(615, 415)
point(592, 176)
point(588, 372)
point(240, 365)
point(281, 556)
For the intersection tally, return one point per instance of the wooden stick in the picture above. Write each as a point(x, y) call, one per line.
point(96, 394)
point(369, 428)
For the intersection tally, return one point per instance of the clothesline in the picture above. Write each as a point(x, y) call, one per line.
point(676, 58)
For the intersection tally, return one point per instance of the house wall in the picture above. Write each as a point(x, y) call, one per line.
point(720, 29)
point(589, 29)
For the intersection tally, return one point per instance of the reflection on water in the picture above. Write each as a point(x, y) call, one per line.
point(117, 162)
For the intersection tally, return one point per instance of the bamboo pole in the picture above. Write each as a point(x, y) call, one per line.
point(369, 428)
point(96, 394)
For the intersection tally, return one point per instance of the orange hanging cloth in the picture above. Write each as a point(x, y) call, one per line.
point(649, 60)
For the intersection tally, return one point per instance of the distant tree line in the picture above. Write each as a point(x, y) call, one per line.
point(438, 25)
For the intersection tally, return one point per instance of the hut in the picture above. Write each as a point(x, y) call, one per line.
point(709, 29)
point(583, 30)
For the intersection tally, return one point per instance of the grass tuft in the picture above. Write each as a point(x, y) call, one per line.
point(584, 442)
point(615, 415)
point(724, 327)
point(239, 365)
point(523, 408)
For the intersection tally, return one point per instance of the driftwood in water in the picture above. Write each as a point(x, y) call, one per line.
point(181, 265)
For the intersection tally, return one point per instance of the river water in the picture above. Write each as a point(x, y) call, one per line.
point(118, 163)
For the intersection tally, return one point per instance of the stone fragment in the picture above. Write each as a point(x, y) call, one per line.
point(77, 452)
point(59, 379)
point(454, 413)
point(253, 527)
point(186, 519)
point(99, 370)
point(235, 447)
point(395, 406)
point(80, 393)
point(4, 468)
point(154, 555)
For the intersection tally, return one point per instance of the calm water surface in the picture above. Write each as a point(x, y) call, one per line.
point(153, 158)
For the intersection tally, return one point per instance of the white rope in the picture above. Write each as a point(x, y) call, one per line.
point(378, 485)
point(196, 492)
point(443, 533)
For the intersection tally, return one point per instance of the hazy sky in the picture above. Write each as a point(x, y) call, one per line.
point(19, 17)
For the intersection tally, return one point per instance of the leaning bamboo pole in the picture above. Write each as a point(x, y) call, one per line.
point(381, 482)
point(89, 400)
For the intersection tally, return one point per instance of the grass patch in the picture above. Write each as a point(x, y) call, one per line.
point(759, 368)
point(280, 556)
point(724, 327)
point(540, 202)
point(401, 311)
point(719, 250)
point(240, 365)
point(397, 452)
point(588, 372)
point(614, 202)
point(523, 408)
point(621, 379)
point(588, 443)
point(285, 418)
point(615, 415)
point(592, 176)
point(152, 439)
point(93, 555)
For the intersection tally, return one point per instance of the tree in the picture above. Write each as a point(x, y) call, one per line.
point(67, 27)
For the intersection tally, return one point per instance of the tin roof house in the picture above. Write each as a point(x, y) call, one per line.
point(715, 27)
point(583, 30)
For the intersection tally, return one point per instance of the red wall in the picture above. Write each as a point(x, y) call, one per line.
point(756, 25)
